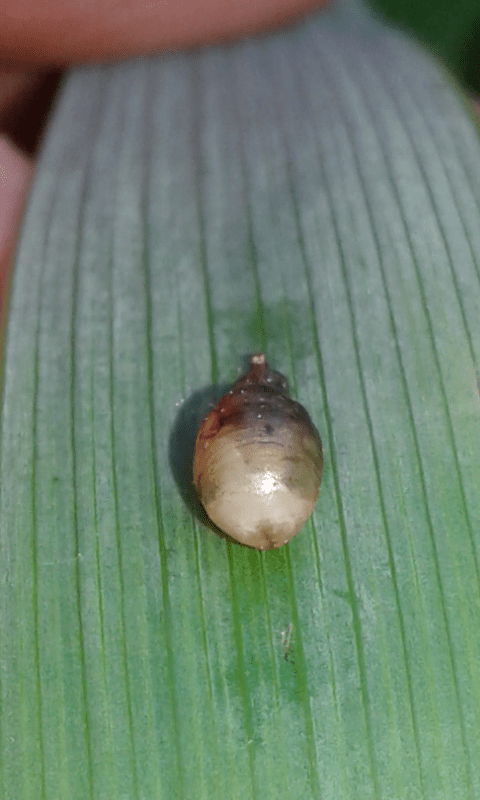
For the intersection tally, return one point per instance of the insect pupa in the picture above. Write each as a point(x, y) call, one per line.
point(258, 460)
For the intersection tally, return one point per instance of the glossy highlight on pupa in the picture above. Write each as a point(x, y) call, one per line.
point(258, 460)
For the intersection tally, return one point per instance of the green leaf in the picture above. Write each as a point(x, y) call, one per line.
point(315, 195)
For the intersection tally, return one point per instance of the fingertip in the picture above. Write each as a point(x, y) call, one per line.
point(46, 32)
point(15, 177)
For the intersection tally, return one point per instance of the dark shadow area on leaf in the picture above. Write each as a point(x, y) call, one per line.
point(182, 442)
point(182, 445)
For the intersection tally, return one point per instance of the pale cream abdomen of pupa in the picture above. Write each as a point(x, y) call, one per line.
point(259, 489)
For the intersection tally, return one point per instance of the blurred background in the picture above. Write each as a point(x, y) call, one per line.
point(35, 49)
point(450, 29)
